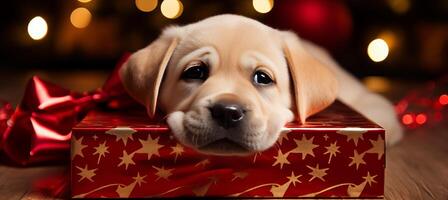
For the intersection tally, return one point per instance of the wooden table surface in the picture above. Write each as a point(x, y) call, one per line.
point(416, 168)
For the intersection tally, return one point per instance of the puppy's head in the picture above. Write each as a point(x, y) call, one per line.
point(228, 83)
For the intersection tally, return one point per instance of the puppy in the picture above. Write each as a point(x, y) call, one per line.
point(228, 84)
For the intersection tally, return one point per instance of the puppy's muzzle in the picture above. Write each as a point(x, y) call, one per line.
point(227, 114)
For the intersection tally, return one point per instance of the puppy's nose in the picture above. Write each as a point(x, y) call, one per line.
point(227, 115)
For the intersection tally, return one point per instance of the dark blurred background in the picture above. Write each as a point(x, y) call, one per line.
point(408, 39)
point(398, 48)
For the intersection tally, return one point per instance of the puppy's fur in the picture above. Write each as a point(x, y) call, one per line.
point(306, 80)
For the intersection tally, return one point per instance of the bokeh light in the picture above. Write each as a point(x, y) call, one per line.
point(171, 8)
point(80, 17)
point(146, 5)
point(84, 1)
point(377, 83)
point(407, 119)
point(263, 6)
point(420, 118)
point(37, 28)
point(443, 99)
point(399, 6)
point(378, 50)
point(391, 38)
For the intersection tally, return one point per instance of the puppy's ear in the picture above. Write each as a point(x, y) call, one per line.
point(143, 72)
point(314, 85)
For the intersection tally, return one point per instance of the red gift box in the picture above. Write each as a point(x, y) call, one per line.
point(338, 153)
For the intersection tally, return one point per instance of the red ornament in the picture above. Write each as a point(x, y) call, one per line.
point(327, 23)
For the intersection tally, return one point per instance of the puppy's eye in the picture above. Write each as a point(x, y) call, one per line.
point(196, 71)
point(262, 78)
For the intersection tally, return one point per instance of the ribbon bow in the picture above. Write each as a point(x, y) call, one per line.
point(39, 129)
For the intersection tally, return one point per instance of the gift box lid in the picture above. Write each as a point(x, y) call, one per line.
point(335, 117)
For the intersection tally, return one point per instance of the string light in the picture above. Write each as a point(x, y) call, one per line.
point(171, 8)
point(407, 119)
point(420, 119)
point(37, 28)
point(80, 17)
point(424, 106)
point(263, 6)
point(443, 99)
point(146, 5)
point(378, 50)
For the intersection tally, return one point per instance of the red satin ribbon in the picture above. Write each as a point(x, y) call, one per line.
point(39, 129)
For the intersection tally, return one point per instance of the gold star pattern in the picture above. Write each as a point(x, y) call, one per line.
point(240, 175)
point(304, 146)
point(317, 173)
point(377, 147)
point(177, 150)
point(255, 156)
point(122, 133)
point(77, 147)
point(124, 191)
point(95, 137)
point(139, 179)
point(279, 190)
point(352, 133)
point(357, 159)
point(101, 150)
point(201, 190)
point(369, 179)
point(86, 173)
point(126, 159)
point(355, 137)
point(332, 150)
point(281, 159)
point(202, 163)
point(150, 147)
point(326, 137)
point(294, 179)
point(163, 173)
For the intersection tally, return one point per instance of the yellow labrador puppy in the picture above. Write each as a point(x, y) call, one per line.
point(228, 84)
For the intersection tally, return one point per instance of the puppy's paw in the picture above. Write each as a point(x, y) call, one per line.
point(394, 133)
point(382, 112)
point(175, 122)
